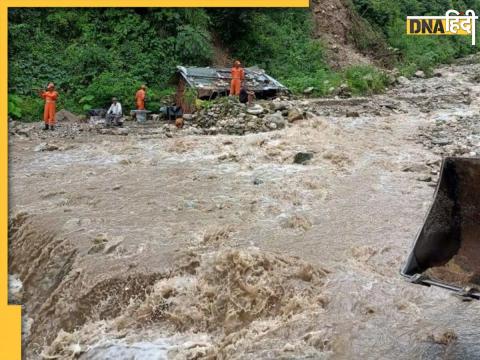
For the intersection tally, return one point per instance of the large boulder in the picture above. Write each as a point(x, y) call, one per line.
point(280, 105)
point(66, 116)
point(302, 157)
point(45, 147)
point(276, 119)
point(255, 110)
point(295, 114)
point(419, 74)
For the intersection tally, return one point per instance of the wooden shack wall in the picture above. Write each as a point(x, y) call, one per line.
point(180, 97)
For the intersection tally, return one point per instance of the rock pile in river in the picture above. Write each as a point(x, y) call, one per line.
point(453, 135)
point(229, 116)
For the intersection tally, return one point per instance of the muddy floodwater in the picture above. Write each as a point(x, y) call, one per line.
point(144, 246)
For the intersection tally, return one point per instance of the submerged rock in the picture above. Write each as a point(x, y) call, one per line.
point(295, 114)
point(276, 119)
point(45, 147)
point(302, 157)
point(425, 178)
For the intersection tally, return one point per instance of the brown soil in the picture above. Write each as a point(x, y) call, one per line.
point(335, 22)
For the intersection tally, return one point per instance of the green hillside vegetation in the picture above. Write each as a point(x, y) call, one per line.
point(94, 54)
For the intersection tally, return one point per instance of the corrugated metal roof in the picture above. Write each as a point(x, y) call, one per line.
point(219, 78)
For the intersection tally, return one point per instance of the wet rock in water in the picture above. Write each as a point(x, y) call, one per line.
point(106, 131)
point(424, 178)
point(255, 110)
point(422, 168)
point(96, 248)
point(351, 113)
point(276, 119)
point(122, 131)
point(296, 221)
point(441, 141)
point(302, 157)
point(419, 74)
point(443, 338)
point(280, 105)
point(295, 114)
point(257, 181)
point(45, 147)
point(437, 73)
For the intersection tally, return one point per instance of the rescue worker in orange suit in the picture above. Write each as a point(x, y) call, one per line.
point(238, 76)
point(140, 97)
point(50, 96)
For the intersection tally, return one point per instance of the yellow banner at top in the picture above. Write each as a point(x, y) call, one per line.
point(158, 3)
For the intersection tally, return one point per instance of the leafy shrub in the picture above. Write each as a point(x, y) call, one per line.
point(365, 80)
point(85, 102)
point(193, 45)
point(26, 108)
point(14, 106)
point(322, 81)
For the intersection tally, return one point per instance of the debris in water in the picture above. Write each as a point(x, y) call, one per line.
point(257, 181)
point(46, 147)
point(352, 114)
point(219, 235)
point(302, 157)
point(424, 178)
point(296, 222)
point(15, 289)
point(295, 114)
point(443, 338)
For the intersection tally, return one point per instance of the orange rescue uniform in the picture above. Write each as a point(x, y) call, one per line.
point(238, 75)
point(140, 99)
point(50, 97)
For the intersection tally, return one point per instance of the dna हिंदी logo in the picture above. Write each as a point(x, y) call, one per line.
point(453, 23)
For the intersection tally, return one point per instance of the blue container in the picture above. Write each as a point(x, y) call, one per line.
point(141, 115)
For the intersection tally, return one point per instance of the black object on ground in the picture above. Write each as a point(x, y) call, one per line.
point(302, 157)
point(446, 252)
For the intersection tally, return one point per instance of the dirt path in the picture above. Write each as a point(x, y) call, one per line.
point(130, 239)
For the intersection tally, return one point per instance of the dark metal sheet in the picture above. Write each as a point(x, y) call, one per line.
point(446, 251)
